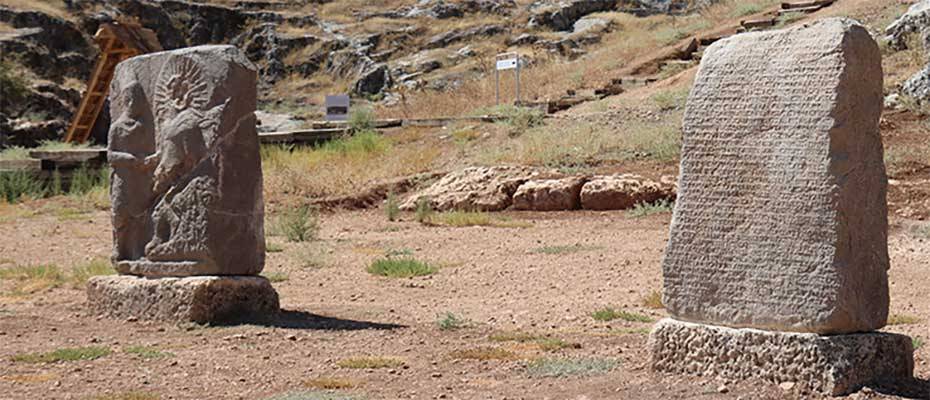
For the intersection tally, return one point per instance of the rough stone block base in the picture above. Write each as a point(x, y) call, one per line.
point(201, 299)
point(833, 365)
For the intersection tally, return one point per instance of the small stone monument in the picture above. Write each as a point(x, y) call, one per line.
point(777, 263)
point(186, 192)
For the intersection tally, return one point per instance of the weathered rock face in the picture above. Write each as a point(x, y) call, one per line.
point(915, 21)
point(781, 219)
point(563, 15)
point(833, 365)
point(187, 181)
point(620, 192)
point(201, 299)
point(549, 194)
point(476, 188)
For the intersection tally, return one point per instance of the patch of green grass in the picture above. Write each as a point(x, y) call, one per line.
point(646, 209)
point(66, 354)
point(610, 314)
point(917, 342)
point(564, 367)
point(484, 354)
point(670, 99)
point(15, 185)
point(84, 180)
point(788, 19)
point(745, 9)
point(361, 119)
point(400, 268)
point(14, 153)
point(370, 362)
point(517, 119)
point(126, 396)
point(544, 343)
point(449, 321)
point(515, 336)
point(330, 383)
point(299, 224)
point(276, 276)
point(391, 207)
point(461, 219)
point(33, 278)
point(922, 231)
point(96, 267)
point(312, 395)
point(630, 331)
point(902, 319)
point(653, 300)
point(565, 249)
point(361, 145)
point(147, 352)
point(273, 247)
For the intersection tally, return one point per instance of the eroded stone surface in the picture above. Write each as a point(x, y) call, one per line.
point(477, 188)
point(620, 192)
point(549, 194)
point(200, 299)
point(781, 219)
point(833, 365)
point(187, 181)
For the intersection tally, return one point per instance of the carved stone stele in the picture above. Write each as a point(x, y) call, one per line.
point(187, 179)
point(781, 218)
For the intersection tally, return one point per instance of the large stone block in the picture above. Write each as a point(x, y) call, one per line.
point(833, 365)
point(781, 219)
point(187, 178)
point(200, 299)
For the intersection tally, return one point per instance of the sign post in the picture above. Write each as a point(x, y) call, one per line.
point(337, 107)
point(504, 62)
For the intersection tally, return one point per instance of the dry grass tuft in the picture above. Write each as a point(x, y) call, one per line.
point(370, 362)
point(330, 383)
point(484, 354)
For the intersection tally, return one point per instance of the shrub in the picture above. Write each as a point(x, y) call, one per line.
point(424, 210)
point(450, 321)
point(361, 119)
point(400, 268)
point(299, 224)
point(84, 180)
point(391, 207)
point(16, 184)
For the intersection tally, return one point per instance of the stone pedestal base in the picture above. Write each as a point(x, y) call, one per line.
point(833, 365)
point(201, 299)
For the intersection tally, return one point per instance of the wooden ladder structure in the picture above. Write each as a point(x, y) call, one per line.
point(118, 41)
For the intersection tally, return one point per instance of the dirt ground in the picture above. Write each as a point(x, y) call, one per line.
point(496, 278)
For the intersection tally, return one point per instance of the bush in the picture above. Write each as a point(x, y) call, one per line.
point(392, 207)
point(299, 224)
point(361, 119)
point(424, 210)
point(450, 321)
point(16, 184)
point(647, 209)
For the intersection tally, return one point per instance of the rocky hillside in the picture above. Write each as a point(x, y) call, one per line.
point(378, 50)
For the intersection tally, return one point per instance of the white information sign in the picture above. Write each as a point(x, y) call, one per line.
point(506, 64)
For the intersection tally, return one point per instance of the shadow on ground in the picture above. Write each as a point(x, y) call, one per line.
point(290, 319)
point(910, 389)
